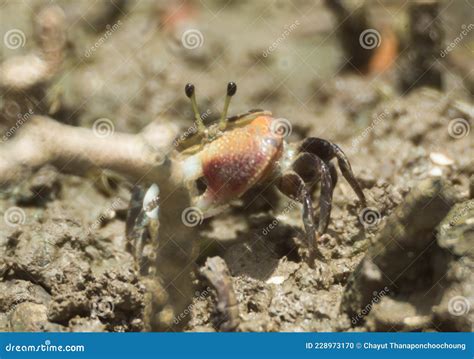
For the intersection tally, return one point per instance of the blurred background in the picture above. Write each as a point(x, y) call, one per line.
point(389, 81)
point(133, 57)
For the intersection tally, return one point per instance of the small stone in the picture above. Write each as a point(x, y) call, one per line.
point(28, 317)
point(20, 73)
point(278, 279)
point(436, 172)
point(440, 159)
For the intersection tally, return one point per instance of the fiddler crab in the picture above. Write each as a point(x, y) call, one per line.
point(221, 162)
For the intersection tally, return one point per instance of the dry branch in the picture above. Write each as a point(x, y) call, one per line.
point(77, 150)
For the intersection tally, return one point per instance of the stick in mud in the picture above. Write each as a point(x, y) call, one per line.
point(217, 273)
point(419, 67)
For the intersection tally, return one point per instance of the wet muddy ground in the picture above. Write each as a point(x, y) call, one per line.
point(64, 261)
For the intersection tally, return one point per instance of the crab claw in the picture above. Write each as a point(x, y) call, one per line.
point(232, 163)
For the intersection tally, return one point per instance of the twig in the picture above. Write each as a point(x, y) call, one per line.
point(351, 24)
point(217, 273)
point(77, 150)
point(419, 67)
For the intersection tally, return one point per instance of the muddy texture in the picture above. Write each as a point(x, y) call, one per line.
point(64, 262)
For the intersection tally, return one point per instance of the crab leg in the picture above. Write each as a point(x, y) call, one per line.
point(320, 173)
point(333, 172)
point(136, 226)
point(327, 151)
point(293, 186)
point(142, 224)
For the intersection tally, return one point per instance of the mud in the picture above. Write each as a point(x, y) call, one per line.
point(64, 262)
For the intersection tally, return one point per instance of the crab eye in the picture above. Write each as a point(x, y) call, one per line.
point(231, 88)
point(189, 90)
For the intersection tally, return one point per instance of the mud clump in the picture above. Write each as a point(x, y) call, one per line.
point(417, 275)
point(64, 260)
point(48, 283)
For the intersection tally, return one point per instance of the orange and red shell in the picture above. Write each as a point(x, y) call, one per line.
point(240, 158)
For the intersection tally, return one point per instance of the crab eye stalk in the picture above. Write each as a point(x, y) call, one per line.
point(231, 90)
point(190, 93)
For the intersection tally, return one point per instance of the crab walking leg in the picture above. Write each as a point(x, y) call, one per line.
point(346, 170)
point(142, 225)
point(321, 174)
point(333, 173)
point(327, 151)
point(293, 186)
point(136, 227)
